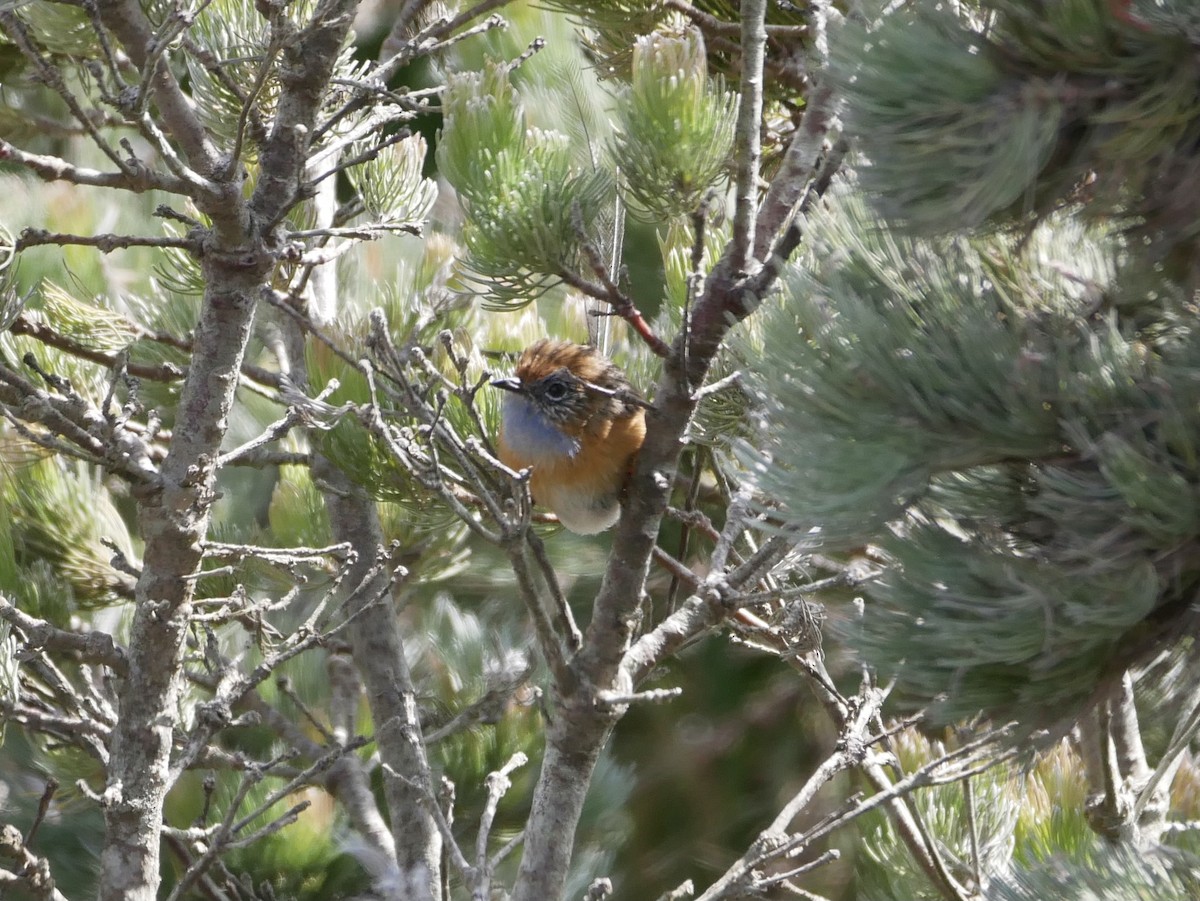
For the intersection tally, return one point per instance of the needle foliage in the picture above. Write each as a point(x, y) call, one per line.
point(985, 364)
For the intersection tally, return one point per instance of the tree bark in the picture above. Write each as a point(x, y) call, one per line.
point(237, 258)
point(173, 518)
point(378, 649)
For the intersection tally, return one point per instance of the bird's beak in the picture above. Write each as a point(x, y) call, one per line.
point(509, 385)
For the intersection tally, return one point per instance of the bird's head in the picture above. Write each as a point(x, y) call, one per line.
point(567, 386)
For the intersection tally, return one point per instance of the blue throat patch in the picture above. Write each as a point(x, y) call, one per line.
point(531, 435)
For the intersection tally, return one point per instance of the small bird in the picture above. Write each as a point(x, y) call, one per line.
point(571, 416)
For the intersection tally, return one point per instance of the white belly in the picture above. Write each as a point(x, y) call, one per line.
point(581, 512)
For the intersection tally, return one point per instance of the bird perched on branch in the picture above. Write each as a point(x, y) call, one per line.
point(571, 416)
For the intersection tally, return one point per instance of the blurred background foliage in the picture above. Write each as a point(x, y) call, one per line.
point(868, 428)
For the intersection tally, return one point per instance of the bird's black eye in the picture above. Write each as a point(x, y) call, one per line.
point(556, 391)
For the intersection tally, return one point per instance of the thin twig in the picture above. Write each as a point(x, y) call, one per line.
point(248, 102)
point(449, 840)
point(711, 23)
point(36, 237)
point(497, 784)
point(561, 606)
point(42, 808)
point(547, 636)
point(607, 290)
point(747, 136)
point(968, 788)
point(92, 647)
point(52, 168)
point(49, 75)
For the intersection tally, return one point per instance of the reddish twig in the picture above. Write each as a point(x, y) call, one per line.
point(606, 289)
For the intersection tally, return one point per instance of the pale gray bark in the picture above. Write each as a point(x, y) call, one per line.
point(379, 655)
point(173, 518)
point(174, 510)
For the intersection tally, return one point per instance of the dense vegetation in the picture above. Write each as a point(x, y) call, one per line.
point(901, 600)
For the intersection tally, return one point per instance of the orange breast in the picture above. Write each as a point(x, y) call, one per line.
point(584, 489)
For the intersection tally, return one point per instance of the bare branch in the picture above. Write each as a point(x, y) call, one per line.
point(711, 23)
point(747, 140)
point(852, 750)
point(775, 879)
point(1158, 784)
point(607, 290)
point(52, 77)
point(72, 419)
point(33, 872)
point(654, 696)
point(35, 237)
point(1127, 735)
point(271, 434)
point(566, 618)
point(787, 242)
point(50, 168)
point(549, 638)
point(379, 653)
point(92, 647)
point(126, 20)
point(685, 890)
point(348, 779)
point(497, 784)
point(801, 164)
point(248, 111)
